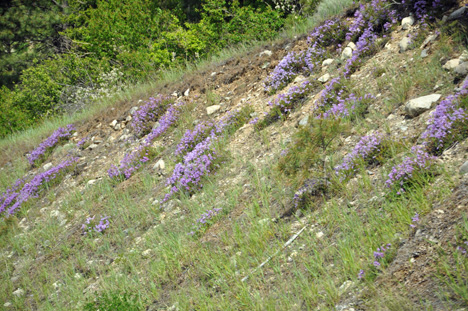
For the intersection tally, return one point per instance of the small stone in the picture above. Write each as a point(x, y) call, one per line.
point(118, 127)
point(128, 118)
point(265, 65)
point(267, 53)
point(92, 146)
point(328, 62)
point(175, 94)
point(416, 106)
point(458, 13)
point(324, 78)
point(424, 53)
point(92, 182)
point(133, 110)
point(19, 292)
point(464, 168)
point(160, 165)
point(146, 253)
point(304, 121)
point(212, 109)
point(213, 74)
point(77, 276)
point(407, 22)
point(464, 56)
point(352, 46)
point(187, 92)
point(404, 44)
point(451, 64)
point(113, 123)
point(155, 202)
point(428, 40)
point(347, 53)
point(47, 166)
point(319, 235)
point(462, 69)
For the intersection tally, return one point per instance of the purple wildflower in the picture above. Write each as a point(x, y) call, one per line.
point(59, 135)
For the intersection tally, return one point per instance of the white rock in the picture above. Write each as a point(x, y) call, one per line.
point(187, 92)
point(324, 78)
point(352, 46)
point(319, 235)
point(7, 304)
point(160, 165)
point(458, 13)
point(118, 127)
point(416, 106)
point(212, 109)
point(47, 166)
point(133, 110)
point(128, 118)
point(213, 74)
point(347, 53)
point(428, 40)
point(146, 253)
point(464, 56)
point(92, 182)
point(113, 123)
point(407, 22)
point(304, 121)
point(19, 292)
point(267, 53)
point(462, 69)
point(464, 168)
point(92, 146)
point(404, 44)
point(451, 64)
point(328, 62)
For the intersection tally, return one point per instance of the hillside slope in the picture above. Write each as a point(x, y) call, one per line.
point(320, 173)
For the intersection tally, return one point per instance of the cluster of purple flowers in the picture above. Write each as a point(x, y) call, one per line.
point(444, 120)
point(332, 31)
point(82, 142)
point(336, 102)
point(90, 226)
point(414, 220)
point(402, 174)
point(196, 164)
point(134, 160)
point(380, 253)
point(365, 150)
point(154, 108)
point(193, 137)
point(204, 220)
point(60, 134)
point(21, 191)
point(283, 104)
point(364, 47)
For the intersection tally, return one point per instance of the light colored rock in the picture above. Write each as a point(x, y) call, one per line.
point(267, 53)
point(19, 292)
point(118, 127)
point(428, 40)
point(213, 74)
point(133, 110)
point(113, 123)
point(7, 304)
point(464, 168)
point(462, 69)
point(407, 22)
point(464, 56)
point(416, 106)
point(160, 165)
point(47, 166)
point(175, 94)
point(128, 118)
point(345, 286)
point(187, 92)
point(304, 121)
point(299, 79)
point(319, 235)
point(347, 53)
point(328, 62)
point(146, 253)
point(124, 137)
point(212, 109)
point(92, 146)
point(92, 182)
point(352, 46)
point(404, 44)
point(424, 53)
point(458, 13)
point(451, 64)
point(324, 78)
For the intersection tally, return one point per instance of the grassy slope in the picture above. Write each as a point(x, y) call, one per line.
point(147, 252)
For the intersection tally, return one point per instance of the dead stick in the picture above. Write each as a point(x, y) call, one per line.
point(289, 242)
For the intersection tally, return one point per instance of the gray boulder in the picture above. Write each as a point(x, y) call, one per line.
point(415, 107)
